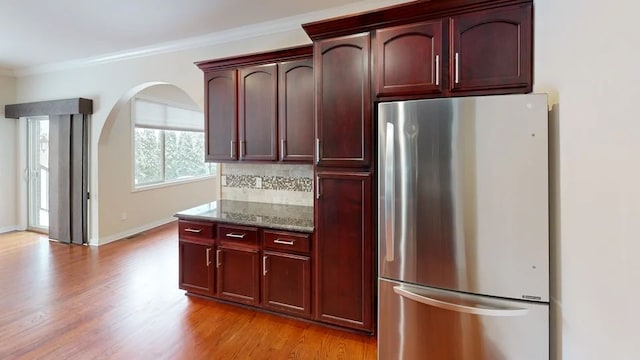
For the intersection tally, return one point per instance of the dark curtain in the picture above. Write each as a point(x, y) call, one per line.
point(68, 186)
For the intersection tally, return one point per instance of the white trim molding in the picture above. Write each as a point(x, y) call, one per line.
point(10, 228)
point(131, 232)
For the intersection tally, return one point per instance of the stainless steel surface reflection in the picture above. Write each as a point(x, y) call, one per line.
point(415, 330)
point(464, 194)
point(463, 206)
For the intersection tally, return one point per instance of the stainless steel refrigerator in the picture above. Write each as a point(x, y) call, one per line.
point(463, 228)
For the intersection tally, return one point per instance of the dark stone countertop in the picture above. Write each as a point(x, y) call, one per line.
point(273, 216)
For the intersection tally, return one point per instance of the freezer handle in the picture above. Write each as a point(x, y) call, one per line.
point(483, 310)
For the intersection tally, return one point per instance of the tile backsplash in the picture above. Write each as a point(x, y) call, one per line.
point(270, 183)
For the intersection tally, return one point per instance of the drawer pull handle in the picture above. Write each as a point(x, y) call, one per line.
point(236, 236)
point(193, 230)
point(284, 242)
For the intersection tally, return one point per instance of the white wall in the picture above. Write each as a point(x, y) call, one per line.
point(122, 211)
point(587, 57)
point(8, 158)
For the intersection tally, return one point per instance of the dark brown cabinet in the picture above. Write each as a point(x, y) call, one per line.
point(238, 274)
point(343, 102)
point(196, 272)
point(491, 50)
point(286, 272)
point(195, 251)
point(259, 107)
point(221, 130)
point(344, 250)
point(286, 282)
point(257, 115)
point(295, 114)
point(410, 59)
point(237, 264)
point(223, 261)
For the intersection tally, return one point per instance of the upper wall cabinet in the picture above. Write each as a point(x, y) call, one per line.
point(491, 50)
point(343, 102)
point(409, 59)
point(221, 132)
point(259, 107)
point(257, 112)
point(295, 110)
point(439, 48)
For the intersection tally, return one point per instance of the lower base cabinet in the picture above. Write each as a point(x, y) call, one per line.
point(238, 275)
point(196, 272)
point(344, 279)
point(286, 283)
point(265, 268)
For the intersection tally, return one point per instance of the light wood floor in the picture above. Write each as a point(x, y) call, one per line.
point(121, 301)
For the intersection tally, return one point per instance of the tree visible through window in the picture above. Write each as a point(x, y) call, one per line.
point(169, 143)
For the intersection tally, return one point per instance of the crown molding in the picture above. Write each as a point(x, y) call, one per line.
point(217, 38)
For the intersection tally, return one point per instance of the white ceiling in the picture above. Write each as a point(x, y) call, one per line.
point(35, 33)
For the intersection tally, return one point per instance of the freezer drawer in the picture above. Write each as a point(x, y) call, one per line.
point(425, 323)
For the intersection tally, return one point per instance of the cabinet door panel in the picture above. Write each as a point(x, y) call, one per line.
point(344, 101)
point(492, 50)
point(257, 113)
point(287, 283)
point(409, 59)
point(221, 132)
point(238, 277)
point(344, 250)
point(196, 271)
point(295, 102)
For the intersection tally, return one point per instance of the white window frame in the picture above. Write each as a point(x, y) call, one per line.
point(164, 183)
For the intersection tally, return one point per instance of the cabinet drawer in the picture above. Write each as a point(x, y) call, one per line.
point(286, 241)
point(196, 229)
point(238, 234)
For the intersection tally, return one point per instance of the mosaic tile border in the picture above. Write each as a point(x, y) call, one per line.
point(281, 183)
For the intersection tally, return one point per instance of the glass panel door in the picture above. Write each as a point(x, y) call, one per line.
point(38, 173)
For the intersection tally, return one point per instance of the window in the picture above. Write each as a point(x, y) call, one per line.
point(168, 143)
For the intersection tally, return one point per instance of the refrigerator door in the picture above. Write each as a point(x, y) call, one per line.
point(424, 323)
point(463, 194)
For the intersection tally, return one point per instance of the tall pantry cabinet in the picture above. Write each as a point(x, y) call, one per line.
point(344, 132)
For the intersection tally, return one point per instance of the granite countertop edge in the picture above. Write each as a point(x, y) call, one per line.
point(194, 215)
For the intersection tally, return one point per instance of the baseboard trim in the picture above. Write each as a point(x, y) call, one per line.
point(10, 228)
point(131, 232)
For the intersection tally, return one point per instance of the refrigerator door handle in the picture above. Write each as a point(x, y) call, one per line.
point(389, 191)
point(483, 310)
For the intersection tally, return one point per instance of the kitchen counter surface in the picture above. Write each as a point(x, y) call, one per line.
point(274, 216)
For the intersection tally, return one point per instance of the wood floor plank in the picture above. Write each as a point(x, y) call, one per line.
point(121, 301)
